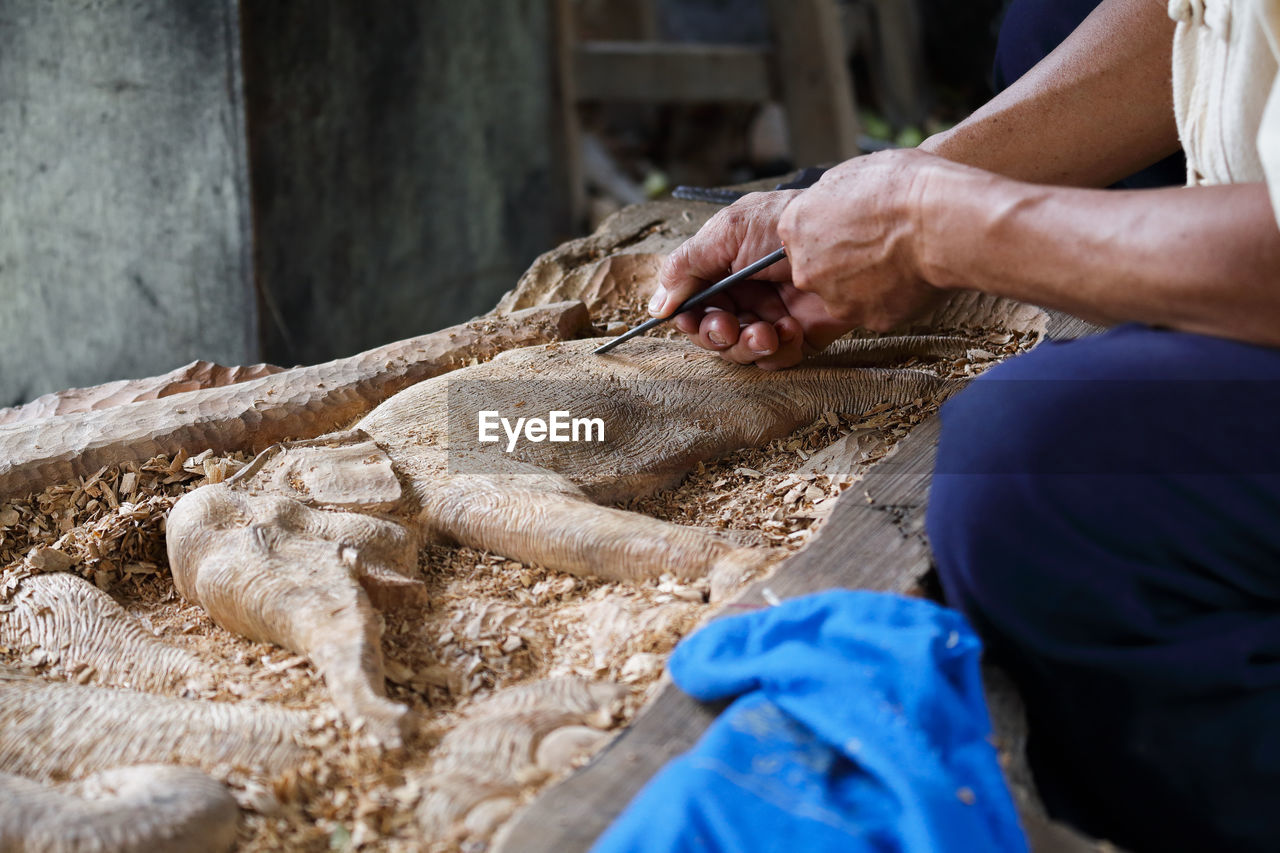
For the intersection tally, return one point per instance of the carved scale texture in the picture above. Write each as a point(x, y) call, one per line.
point(72, 619)
point(144, 809)
point(55, 731)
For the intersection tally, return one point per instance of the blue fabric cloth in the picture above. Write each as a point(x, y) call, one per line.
point(1107, 513)
point(859, 725)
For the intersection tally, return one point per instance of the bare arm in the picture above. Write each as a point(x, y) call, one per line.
point(879, 240)
point(1098, 108)
point(875, 248)
point(1203, 259)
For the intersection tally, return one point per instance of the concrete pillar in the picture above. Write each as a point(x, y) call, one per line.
point(124, 217)
point(406, 164)
point(286, 180)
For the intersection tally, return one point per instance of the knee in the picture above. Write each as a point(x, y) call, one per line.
point(1029, 416)
point(998, 504)
point(1049, 464)
point(986, 454)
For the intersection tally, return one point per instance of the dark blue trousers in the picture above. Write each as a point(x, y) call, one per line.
point(1107, 512)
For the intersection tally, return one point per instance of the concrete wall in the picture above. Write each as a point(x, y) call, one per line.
point(405, 164)
point(287, 180)
point(123, 209)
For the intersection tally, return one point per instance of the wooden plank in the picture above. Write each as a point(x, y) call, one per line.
point(660, 72)
point(813, 79)
point(874, 538)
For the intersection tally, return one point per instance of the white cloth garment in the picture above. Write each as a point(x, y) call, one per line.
point(1225, 93)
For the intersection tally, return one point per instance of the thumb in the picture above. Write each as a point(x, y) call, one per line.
point(682, 275)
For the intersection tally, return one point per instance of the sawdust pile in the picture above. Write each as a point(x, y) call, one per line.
point(108, 526)
point(492, 623)
point(778, 494)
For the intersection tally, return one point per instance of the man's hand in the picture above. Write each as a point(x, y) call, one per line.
point(851, 262)
point(854, 239)
point(766, 321)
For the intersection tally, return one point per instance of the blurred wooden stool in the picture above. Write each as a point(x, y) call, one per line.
point(804, 69)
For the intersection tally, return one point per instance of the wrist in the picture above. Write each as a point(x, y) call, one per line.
point(929, 208)
point(957, 210)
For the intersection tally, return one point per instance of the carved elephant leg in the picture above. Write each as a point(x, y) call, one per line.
point(562, 529)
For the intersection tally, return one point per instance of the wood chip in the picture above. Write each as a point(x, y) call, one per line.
point(490, 622)
point(398, 672)
point(45, 559)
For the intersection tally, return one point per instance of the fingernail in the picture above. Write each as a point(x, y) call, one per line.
point(717, 339)
point(657, 301)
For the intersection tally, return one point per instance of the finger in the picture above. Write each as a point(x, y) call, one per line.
point(735, 237)
point(689, 321)
point(761, 299)
point(790, 350)
point(754, 342)
point(719, 330)
point(675, 285)
point(694, 265)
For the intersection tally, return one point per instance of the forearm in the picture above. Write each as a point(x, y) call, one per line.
point(1098, 108)
point(1204, 259)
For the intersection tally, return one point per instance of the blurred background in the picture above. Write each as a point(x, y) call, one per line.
point(288, 181)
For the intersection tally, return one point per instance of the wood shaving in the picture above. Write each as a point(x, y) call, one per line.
point(492, 623)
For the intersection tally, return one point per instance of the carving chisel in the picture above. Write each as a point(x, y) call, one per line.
point(698, 298)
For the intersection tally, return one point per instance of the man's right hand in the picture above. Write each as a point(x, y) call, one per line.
point(765, 321)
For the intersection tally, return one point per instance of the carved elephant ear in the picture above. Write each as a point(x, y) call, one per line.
point(340, 471)
point(285, 552)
